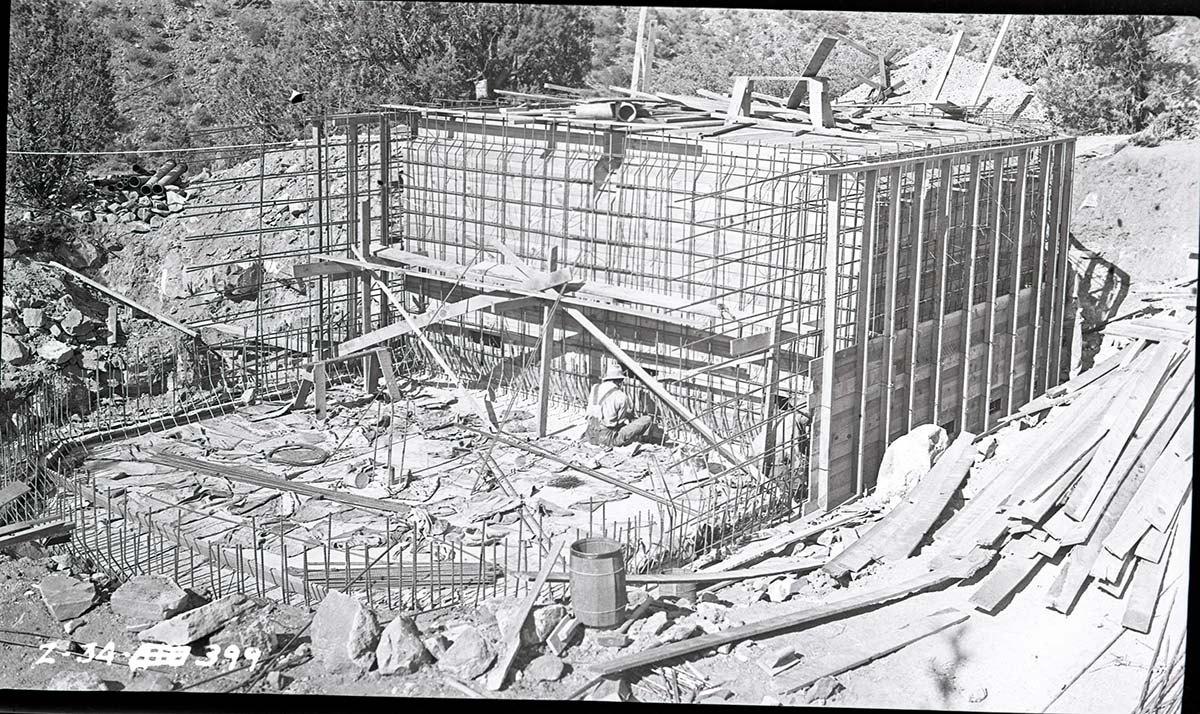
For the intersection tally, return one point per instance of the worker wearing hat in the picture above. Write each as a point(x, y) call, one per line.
point(610, 412)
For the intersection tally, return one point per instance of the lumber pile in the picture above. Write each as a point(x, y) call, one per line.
point(1100, 495)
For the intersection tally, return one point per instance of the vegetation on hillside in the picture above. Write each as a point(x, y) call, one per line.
point(60, 98)
point(140, 75)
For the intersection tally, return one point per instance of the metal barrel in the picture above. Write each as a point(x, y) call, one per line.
point(598, 582)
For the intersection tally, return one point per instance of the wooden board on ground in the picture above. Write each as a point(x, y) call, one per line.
point(855, 648)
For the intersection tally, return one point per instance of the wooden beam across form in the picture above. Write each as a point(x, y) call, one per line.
point(891, 277)
point(833, 217)
point(866, 300)
point(973, 197)
point(653, 385)
point(945, 72)
point(916, 272)
point(128, 301)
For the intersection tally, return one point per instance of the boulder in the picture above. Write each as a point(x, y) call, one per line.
point(199, 623)
point(297, 209)
point(34, 318)
point(75, 681)
point(76, 324)
point(906, 460)
point(436, 645)
point(822, 689)
point(345, 633)
point(148, 599)
point(278, 680)
point(545, 619)
point(144, 680)
point(506, 620)
point(253, 628)
point(13, 327)
point(469, 657)
point(546, 668)
point(13, 350)
point(56, 352)
point(679, 632)
point(66, 597)
point(400, 649)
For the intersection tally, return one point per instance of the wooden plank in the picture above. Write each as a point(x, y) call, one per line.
point(794, 534)
point(322, 268)
point(1035, 509)
point(496, 677)
point(547, 356)
point(945, 71)
point(36, 532)
point(1015, 313)
point(653, 385)
point(891, 271)
point(11, 492)
point(450, 311)
point(389, 374)
point(817, 60)
point(991, 62)
point(1043, 188)
point(939, 312)
point(128, 301)
point(973, 194)
point(699, 577)
point(805, 615)
point(997, 585)
point(1146, 588)
point(916, 272)
point(989, 332)
point(866, 299)
point(862, 650)
point(930, 498)
point(262, 479)
point(1064, 238)
point(1149, 330)
point(824, 435)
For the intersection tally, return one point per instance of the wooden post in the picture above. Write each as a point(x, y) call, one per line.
point(833, 223)
point(941, 82)
point(113, 324)
point(889, 299)
point(987, 70)
point(939, 312)
point(1064, 249)
point(964, 372)
point(920, 199)
point(993, 282)
point(351, 221)
point(370, 364)
point(1044, 187)
point(820, 109)
point(547, 356)
point(1022, 213)
point(770, 395)
point(739, 102)
point(639, 53)
point(866, 295)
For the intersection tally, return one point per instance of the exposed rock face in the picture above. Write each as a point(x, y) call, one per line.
point(400, 649)
point(906, 460)
point(149, 599)
point(14, 351)
point(253, 628)
point(195, 624)
point(66, 597)
point(56, 352)
point(469, 656)
point(345, 633)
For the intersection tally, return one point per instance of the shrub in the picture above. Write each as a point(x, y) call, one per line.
point(125, 31)
point(157, 23)
point(157, 43)
point(141, 57)
point(194, 34)
point(255, 30)
point(218, 8)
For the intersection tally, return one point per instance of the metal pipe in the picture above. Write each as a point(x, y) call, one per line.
point(172, 176)
point(596, 110)
point(628, 111)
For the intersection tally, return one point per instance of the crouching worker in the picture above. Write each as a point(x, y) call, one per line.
point(610, 413)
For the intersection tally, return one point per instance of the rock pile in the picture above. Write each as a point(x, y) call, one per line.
point(141, 198)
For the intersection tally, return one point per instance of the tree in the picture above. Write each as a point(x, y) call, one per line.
point(60, 98)
point(1104, 74)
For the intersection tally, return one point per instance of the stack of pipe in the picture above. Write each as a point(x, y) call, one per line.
point(140, 195)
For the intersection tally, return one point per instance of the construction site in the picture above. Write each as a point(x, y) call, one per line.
point(334, 428)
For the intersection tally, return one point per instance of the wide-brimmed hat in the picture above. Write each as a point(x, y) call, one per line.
point(614, 374)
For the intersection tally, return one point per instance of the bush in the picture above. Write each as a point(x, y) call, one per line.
point(194, 34)
point(125, 31)
point(218, 8)
point(141, 57)
point(157, 23)
point(157, 43)
point(255, 30)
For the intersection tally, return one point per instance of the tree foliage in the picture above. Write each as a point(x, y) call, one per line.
point(352, 55)
point(1105, 74)
point(60, 98)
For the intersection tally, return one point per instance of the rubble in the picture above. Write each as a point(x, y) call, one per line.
point(196, 624)
point(345, 633)
point(77, 681)
point(148, 599)
point(66, 597)
point(469, 656)
point(546, 668)
point(400, 649)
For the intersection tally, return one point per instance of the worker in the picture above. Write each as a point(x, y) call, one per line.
point(610, 412)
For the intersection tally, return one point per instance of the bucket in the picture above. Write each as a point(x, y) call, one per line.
point(598, 582)
point(677, 590)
